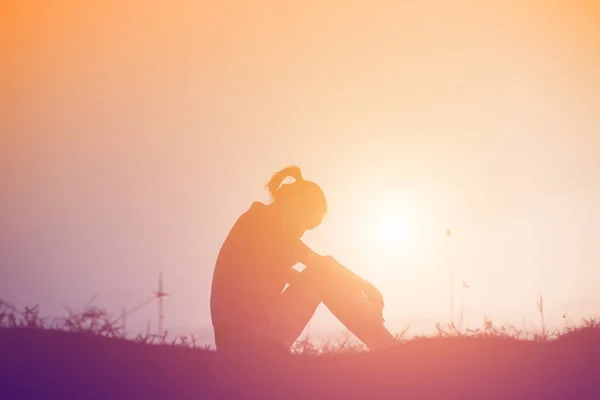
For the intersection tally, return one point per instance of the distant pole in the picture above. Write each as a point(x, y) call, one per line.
point(462, 303)
point(159, 295)
point(161, 316)
point(451, 277)
point(451, 298)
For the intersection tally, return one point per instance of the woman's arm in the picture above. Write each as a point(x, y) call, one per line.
point(314, 260)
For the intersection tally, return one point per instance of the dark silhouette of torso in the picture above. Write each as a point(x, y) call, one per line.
point(251, 268)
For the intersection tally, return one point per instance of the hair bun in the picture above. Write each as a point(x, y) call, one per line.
point(292, 171)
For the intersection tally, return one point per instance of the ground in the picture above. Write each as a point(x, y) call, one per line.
point(75, 361)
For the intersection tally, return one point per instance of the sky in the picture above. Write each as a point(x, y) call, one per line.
point(134, 134)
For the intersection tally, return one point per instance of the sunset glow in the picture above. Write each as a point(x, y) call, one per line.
point(293, 177)
point(389, 229)
point(134, 134)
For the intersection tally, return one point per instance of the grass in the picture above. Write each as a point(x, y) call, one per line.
point(87, 354)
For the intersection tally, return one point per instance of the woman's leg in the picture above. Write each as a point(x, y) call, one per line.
point(295, 308)
point(300, 300)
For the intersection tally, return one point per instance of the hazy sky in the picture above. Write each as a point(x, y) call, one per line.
point(134, 133)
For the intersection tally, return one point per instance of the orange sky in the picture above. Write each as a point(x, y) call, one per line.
point(134, 134)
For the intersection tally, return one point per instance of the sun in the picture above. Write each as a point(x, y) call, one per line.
point(389, 229)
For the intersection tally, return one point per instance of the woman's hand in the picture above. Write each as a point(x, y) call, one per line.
point(374, 296)
point(341, 273)
point(372, 293)
point(369, 290)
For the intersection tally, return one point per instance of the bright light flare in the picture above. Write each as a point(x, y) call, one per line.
point(389, 229)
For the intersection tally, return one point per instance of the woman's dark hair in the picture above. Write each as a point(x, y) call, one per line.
point(303, 196)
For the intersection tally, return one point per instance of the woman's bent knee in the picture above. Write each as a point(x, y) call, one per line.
point(328, 277)
point(314, 278)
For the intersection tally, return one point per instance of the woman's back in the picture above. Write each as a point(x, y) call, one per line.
point(251, 268)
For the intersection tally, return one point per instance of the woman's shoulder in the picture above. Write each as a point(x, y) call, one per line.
point(254, 217)
point(256, 211)
point(257, 206)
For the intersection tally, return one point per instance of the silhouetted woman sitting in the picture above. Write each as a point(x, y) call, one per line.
point(248, 302)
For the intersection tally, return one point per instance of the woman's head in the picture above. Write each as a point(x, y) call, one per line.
point(303, 202)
